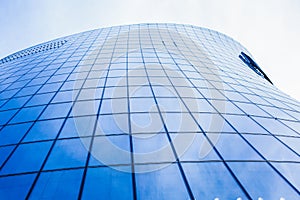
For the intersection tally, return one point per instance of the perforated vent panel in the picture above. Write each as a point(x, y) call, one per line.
point(33, 50)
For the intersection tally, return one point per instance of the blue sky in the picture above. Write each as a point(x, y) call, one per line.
point(269, 29)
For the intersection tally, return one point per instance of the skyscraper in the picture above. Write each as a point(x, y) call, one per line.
point(147, 111)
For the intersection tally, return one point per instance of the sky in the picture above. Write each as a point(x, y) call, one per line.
point(269, 29)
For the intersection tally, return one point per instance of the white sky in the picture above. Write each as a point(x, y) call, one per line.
point(269, 29)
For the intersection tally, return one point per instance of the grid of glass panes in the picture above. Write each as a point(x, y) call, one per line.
point(43, 156)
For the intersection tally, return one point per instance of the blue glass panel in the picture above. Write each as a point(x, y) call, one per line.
point(28, 114)
point(68, 153)
point(142, 105)
point(193, 148)
point(107, 183)
point(12, 134)
point(23, 160)
point(233, 147)
point(112, 124)
point(43, 130)
point(15, 187)
point(50, 87)
point(213, 123)
point(278, 150)
point(291, 142)
point(4, 153)
point(40, 99)
point(159, 184)
point(252, 109)
point(56, 110)
point(8, 94)
point(275, 127)
point(64, 96)
point(140, 91)
point(15, 103)
point(109, 106)
point(28, 91)
point(58, 78)
point(82, 108)
point(150, 148)
point(212, 180)
point(58, 184)
point(69, 129)
point(116, 146)
point(260, 180)
point(6, 115)
point(244, 124)
point(291, 171)
point(79, 126)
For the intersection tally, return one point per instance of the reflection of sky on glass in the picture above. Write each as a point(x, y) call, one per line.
point(245, 21)
point(271, 185)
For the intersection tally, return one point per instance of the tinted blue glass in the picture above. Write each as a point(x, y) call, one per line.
point(8, 94)
point(78, 126)
point(64, 96)
point(4, 153)
point(173, 56)
point(212, 180)
point(58, 184)
point(107, 183)
point(114, 106)
point(291, 142)
point(23, 160)
point(43, 130)
point(56, 110)
point(40, 99)
point(58, 78)
point(69, 129)
point(12, 134)
point(15, 103)
point(260, 180)
point(275, 127)
point(191, 151)
point(28, 91)
point(213, 123)
point(6, 115)
point(28, 114)
point(112, 124)
point(50, 87)
point(278, 150)
point(142, 105)
point(244, 124)
point(85, 108)
point(163, 181)
point(15, 187)
point(67, 153)
point(291, 171)
point(233, 147)
point(117, 141)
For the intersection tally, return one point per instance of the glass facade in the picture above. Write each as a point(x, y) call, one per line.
point(146, 111)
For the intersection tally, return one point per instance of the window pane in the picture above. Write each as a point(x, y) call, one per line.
point(159, 184)
point(22, 159)
point(15, 187)
point(56, 110)
point(43, 130)
point(107, 183)
point(260, 180)
point(58, 184)
point(28, 114)
point(67, 153)
point(211, 180)
point(12, 134)
point(40, 99)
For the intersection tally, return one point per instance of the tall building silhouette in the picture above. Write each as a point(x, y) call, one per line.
point(146, 111)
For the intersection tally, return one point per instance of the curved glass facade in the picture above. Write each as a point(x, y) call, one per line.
point(147, 111)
